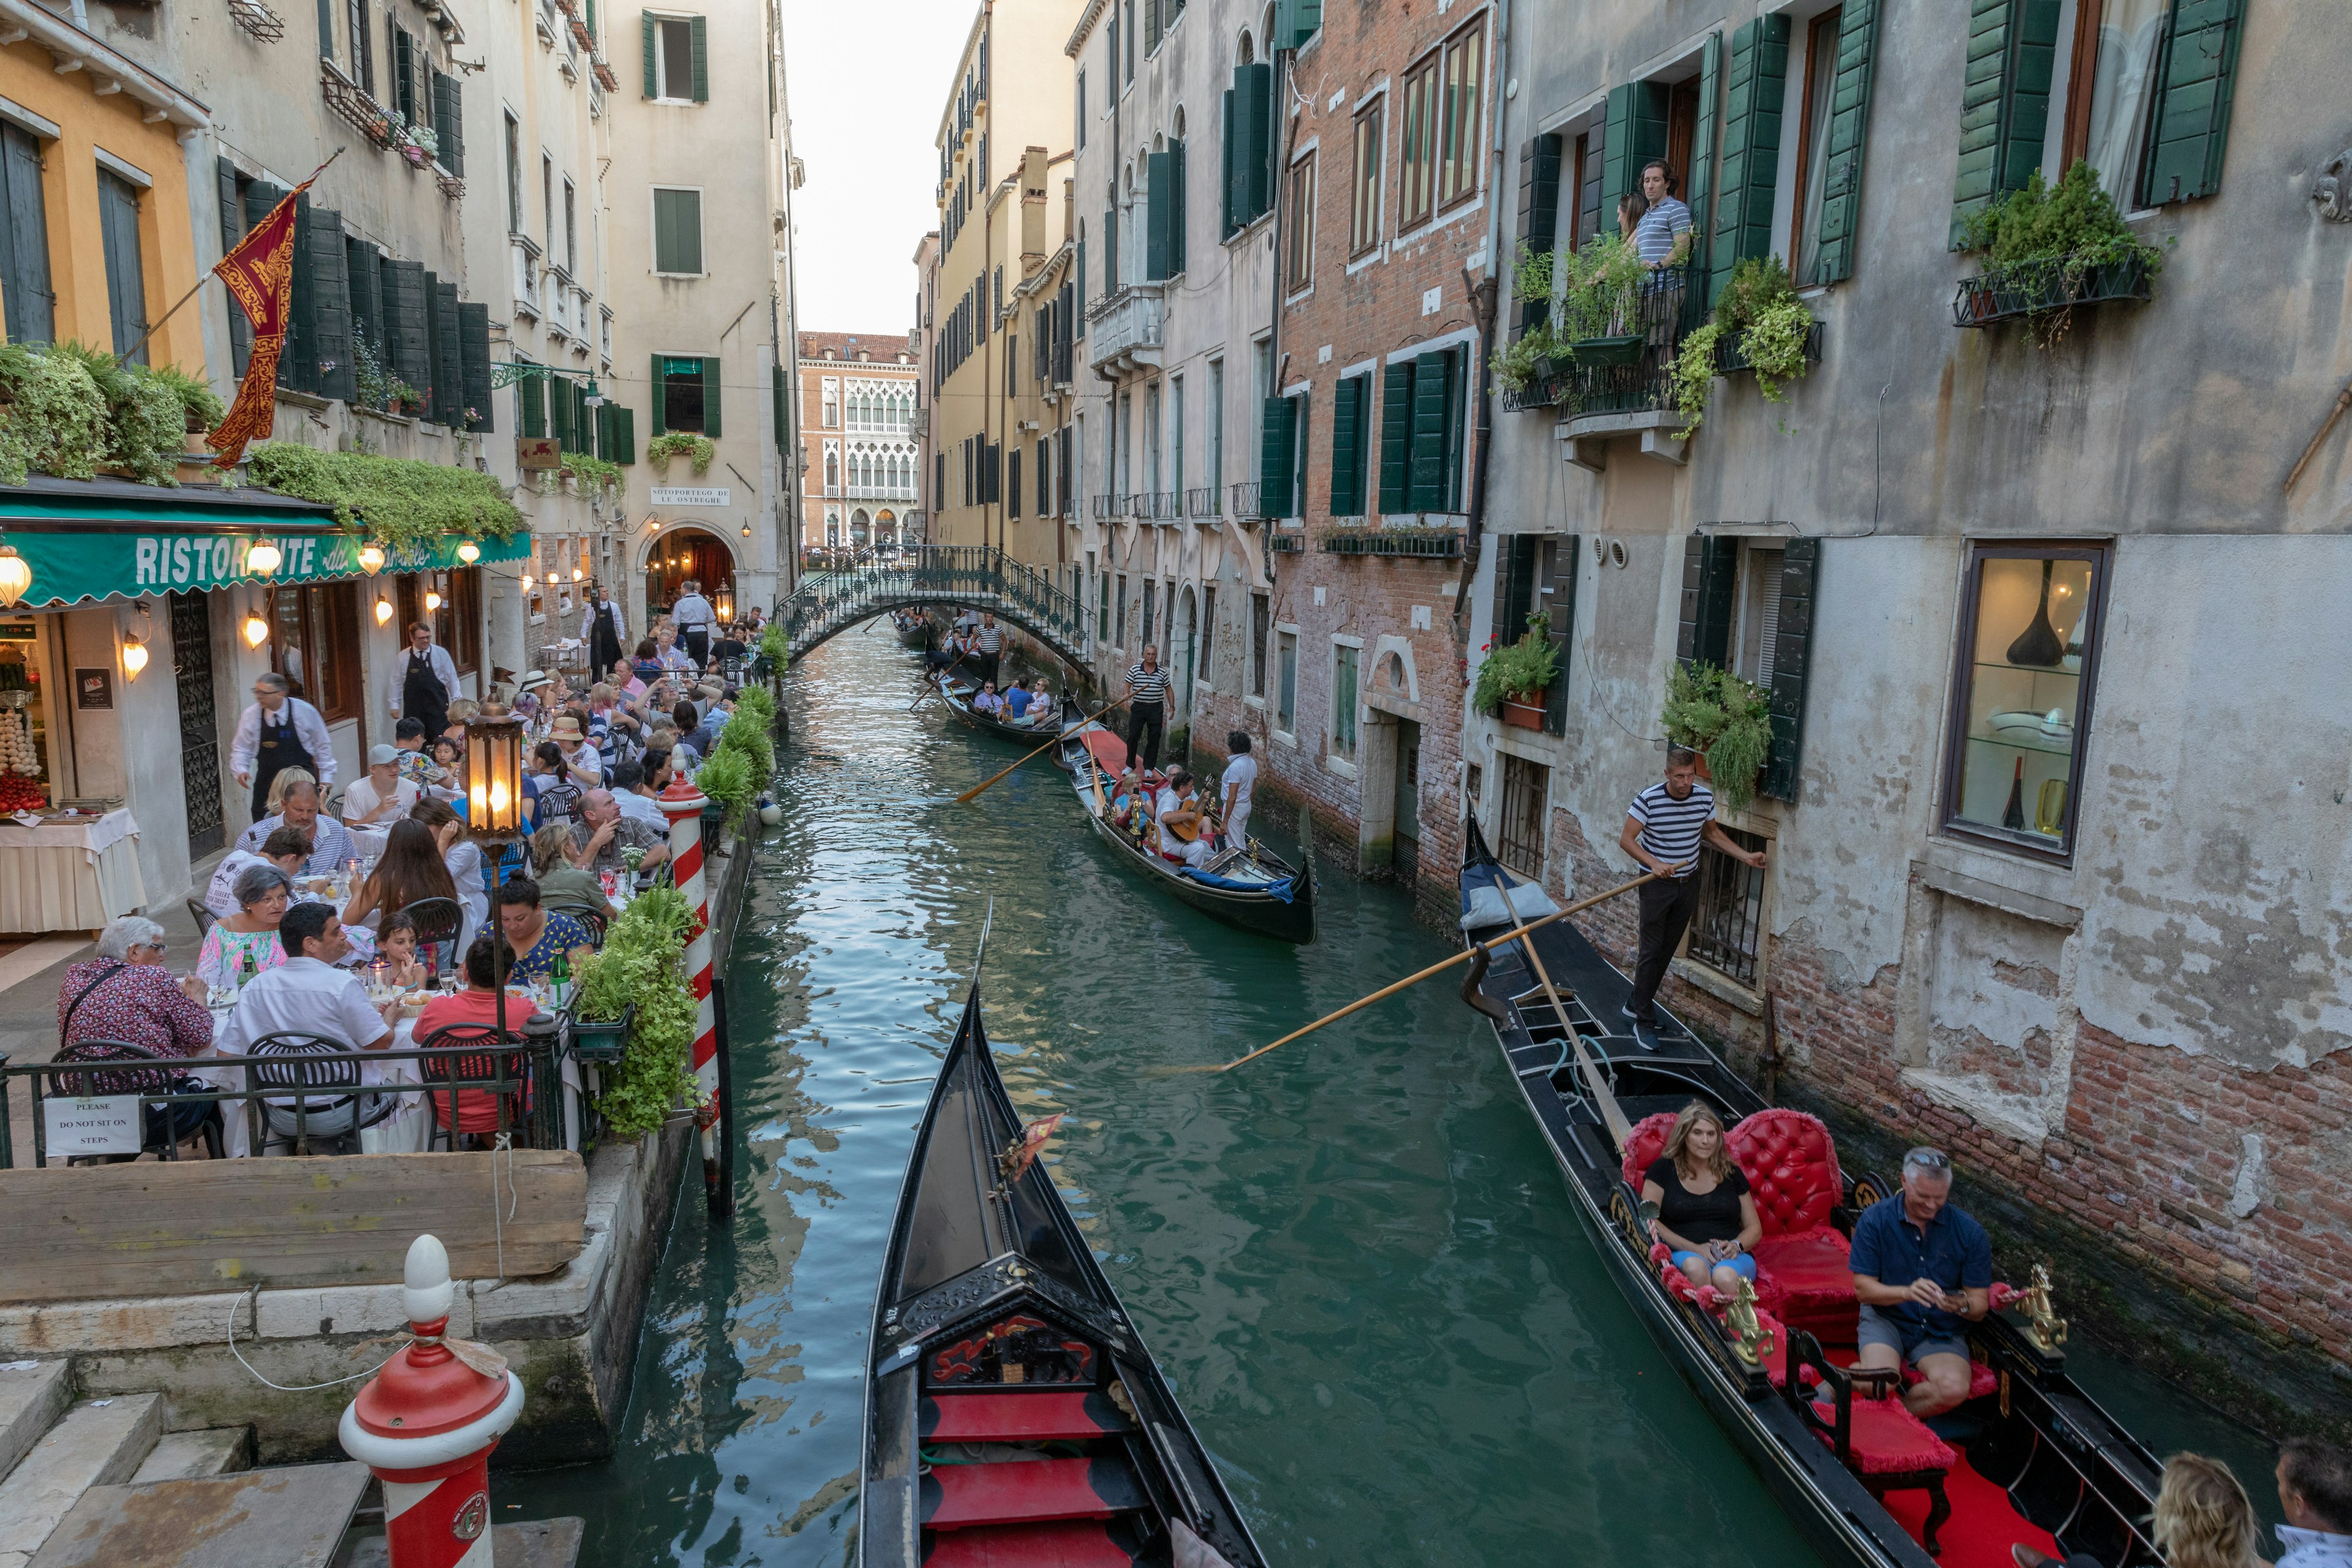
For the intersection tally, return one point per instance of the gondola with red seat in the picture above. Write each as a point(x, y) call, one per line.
point(2030, 1457)
point(1012, 1415)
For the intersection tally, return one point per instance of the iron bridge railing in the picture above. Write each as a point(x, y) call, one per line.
point(840, 588)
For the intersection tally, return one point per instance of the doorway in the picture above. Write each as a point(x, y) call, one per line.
point(684, 553)
point(192, 671)
point(1407, 831)
point(1192, 650)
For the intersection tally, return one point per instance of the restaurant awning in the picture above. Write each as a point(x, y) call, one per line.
point(93, 539)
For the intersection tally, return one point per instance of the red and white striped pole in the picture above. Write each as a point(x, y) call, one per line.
point(682, 804)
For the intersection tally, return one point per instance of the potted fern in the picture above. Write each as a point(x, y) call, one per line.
point(1759, 325)
point(2047, 248)
point(1726, 721)
point(1514, 678)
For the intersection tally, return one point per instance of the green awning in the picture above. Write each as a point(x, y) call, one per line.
point(99, 540)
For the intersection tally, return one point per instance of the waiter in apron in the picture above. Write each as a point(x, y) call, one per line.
point(279, 732)
point(603, 631)
point(423, 682)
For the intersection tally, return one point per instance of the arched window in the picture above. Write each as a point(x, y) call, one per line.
point(833, 470)
point(1242, 54)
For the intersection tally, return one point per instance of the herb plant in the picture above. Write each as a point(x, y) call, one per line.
point(1516, 670)
point(1727, 720)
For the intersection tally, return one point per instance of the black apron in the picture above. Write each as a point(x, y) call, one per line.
point(604, 642)
point(280, 749)
point(421, 696)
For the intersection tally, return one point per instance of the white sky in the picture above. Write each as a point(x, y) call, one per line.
point(866, 83)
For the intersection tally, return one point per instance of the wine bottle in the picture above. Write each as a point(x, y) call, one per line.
point(2013, 816)
point(245, 971)
point(559, 975)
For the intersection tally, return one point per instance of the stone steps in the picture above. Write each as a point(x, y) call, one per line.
point(186, 1455)
point(31, 1400)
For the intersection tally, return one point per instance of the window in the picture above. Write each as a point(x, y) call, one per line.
point(514, 176)
point(362, 47)
point(2111, 89)
point(1151, 440)
point(1756, 638)
point(1130, 30)
point(1176, 438)
point(1102, 605)
point(684, 400)
point(678, 231)
point(1082, 109)
point(547, 200)
point(1286, 707)
point(678, 67)
point(1150, 610)
point(1118, 638)
point(1726, 928)
point(1013, 482)
point(1217, 437)
point(1302, 223)
point(1417, 166)
point(126, 279)
point(1421, 431)
point(571, 229)
point(1259, 612)
point(1526, 788)
point(1207, 628)
point(832, 405)
point(24, 241)
point(2028, 662)
point(1813, 142)
point(1457, 130)
point(314, 644)
point(1364, 194)
point(1343, 700)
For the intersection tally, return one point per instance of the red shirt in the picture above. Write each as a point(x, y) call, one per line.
point(477, 1108)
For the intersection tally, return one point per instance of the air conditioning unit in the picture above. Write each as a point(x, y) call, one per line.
point(1030, 425)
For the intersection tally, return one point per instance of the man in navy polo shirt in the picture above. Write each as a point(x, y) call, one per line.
point(1924, 1271)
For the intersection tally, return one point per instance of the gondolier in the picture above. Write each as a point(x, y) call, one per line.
point(604, 629)
point(279, 732)
point(1147, 712)
point(1664, 827)
point(989, 642)
point(423, 682)
point(693, 616)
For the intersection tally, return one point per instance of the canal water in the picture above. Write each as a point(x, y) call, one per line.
point(1354, 1259)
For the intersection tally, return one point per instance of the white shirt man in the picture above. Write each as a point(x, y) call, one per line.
point(692, 613)
point(307, 994)
point(620, 622)
point(380, 798)
point(310, 727)
point(1235, 787)
point(1179, 802)
point(396, 684)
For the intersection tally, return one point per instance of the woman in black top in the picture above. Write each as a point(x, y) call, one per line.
point(1705, 1211)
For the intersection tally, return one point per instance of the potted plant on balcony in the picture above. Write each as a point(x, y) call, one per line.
point(1726, 721)
point(698, 449)
point(1601, 287)
point(2047, 248)
point(1759, 325)
point(1514, 678)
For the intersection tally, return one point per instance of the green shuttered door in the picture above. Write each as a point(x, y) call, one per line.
point(1756, 81)
point(1396, 437)
point(1432, 389)
point(1840, 212)
point(1277, 444)
point(1348, 447)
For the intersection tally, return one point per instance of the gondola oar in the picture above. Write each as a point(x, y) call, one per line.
point(968, 796)
point(1387, 991)
point(1613, 1115)
point(938, 683)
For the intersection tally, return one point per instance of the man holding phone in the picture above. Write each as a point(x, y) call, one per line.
point(1923, 1270)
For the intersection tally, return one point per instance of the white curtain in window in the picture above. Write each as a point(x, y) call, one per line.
point(2130, 33)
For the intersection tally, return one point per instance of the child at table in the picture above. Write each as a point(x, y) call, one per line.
point(395, 945)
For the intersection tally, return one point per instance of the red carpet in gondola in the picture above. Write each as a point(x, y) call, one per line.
point(1072, 1417)
point(1072, 1543)
point(1109, 751)
point(1982, 1525)
point(956, 1497)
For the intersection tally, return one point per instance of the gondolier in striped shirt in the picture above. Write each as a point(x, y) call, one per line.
point(1663, 828)
point(990, 642)
point(1147, 712)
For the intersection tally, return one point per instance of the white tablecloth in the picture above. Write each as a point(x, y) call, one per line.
point(405, 1130)
point(74, 875)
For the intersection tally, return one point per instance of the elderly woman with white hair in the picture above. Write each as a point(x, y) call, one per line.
point(250, 935)
point(125, 993)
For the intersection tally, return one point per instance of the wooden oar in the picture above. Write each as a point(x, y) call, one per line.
point(1613, 1115)
point(968, 796)
point(938, 683)
point(1440, 966)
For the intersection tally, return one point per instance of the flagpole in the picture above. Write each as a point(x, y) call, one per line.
point(124, 357)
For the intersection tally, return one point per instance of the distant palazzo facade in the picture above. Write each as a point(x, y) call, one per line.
point(861, 469)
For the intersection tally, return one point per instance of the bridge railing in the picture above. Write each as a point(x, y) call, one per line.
point(840, 587)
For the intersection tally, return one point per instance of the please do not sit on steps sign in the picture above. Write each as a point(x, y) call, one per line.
point(99, 1124)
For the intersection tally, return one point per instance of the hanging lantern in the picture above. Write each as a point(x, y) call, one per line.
point(576, 574)
point(382, 610)
point(16, 577)
point(494, 803)
point(370, 559)
point(135, 659)
point(263, 559)
point(526, 581)
point(431, 601)
point(468, 552)
point(256, 630)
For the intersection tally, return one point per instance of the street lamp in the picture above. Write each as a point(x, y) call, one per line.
point(468, 552)
point(263, 558)
point(494, 816)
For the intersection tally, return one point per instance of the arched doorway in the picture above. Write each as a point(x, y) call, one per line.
point(886, 526)
point(861, 529)
point(680, 551)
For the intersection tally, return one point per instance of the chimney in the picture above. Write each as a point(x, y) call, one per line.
point(1032, 211)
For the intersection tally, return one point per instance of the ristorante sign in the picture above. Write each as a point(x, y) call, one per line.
point(71, 566)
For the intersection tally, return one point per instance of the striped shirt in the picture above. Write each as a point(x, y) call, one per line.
point(1149, 685)
point(1654, 235)
point(1670, 828)
point(992, 639)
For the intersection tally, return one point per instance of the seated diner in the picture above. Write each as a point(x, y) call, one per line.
point(476, 1005)
point(289, 849)
point(538, 935)
point(308, 994)
point(126, 995)
point(250, 935)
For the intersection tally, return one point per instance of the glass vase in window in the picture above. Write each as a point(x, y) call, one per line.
point(2026, 691)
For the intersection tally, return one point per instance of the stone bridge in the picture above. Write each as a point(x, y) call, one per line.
point(840, 589)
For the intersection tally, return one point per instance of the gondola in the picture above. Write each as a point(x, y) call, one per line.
point(958, 690)
point(1013, 1413)
point(2028, 1457)
point(1249, 886)
point(914, 629)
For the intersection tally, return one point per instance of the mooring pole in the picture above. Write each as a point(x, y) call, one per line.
point(721, 1195)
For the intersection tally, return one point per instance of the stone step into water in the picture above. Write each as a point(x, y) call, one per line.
point(31, 1400)
point(186, 1456)
point(100, 1443)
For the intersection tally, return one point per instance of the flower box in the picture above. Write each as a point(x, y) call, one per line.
point(602, 1042)
point(1524, 715)
point(2038, 288)
point(1624, 349)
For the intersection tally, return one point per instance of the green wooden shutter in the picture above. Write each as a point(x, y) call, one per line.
point(711, 397)
point(2194, 85)
point(1229, 219)
point(1792, 652)
point(560, 412)
point(1294, 22)
point(474, 348)
point(653, 78)
point(297, 366)
point(2004, 101)
point(1157, 211)
point(1457, 427)
point(1253, 92)
point(530, 407)
point(1757, 79)
point(602, 428)
point(776, 402)
point(1347, 449)
point(659, 409)
point(1710, 578)
point(702, 59)
point(232, 224)
point(1277, 447)
point(1078, 296)
point(405, 308)
point(448, 360)
point(1701, 188)
point(326, 29)
point(362, 280)
point(1849, 128)
point(1636, 132)
point(1559, 576)
point(1426, 475)
point(1539, 218)
point(330, 307)
point(624, 427)
point(404, 74)
point(1175, 208)
point(428, 350)
point(1396, 435)
point(1110, 251)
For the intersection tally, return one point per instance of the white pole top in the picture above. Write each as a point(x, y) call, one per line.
point(429, 1295)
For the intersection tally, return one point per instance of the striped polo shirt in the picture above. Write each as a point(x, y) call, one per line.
point(1149, 685)
point(1670, 828)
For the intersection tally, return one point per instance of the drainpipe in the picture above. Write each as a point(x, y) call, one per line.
point(1485, 297)
point(987, 295)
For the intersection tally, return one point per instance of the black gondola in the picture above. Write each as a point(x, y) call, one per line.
point(1013, 1413)
point(1248, 886)
point(2030, 1454)
point(913, 627)
point(957, 694)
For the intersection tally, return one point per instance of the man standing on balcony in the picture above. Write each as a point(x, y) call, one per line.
point(1663, 830)
point(1666, 227)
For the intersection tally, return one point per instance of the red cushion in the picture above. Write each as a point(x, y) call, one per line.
point(1983, 1381)
point(1776, 1364)
point(1644, 1145)
point(1791, 1167)
point(1887, 1439)
point(1810, 1270)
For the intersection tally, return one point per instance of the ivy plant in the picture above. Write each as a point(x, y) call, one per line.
point(406, 504)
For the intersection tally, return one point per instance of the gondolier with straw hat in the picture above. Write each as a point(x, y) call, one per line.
point(1663, 830)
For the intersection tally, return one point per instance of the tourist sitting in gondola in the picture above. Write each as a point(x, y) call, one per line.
point(1042, 709)
point(1130, 805)
point(1923, 1270)
point(987, 701)
point(1182, 836)
point(1706, 1212)
point(1016, 700)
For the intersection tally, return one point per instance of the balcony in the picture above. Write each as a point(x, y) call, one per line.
point(879, 492)
point(526, 275)
point(1157, 506)
point(1124, 332)
point(363, 113)
point(1622, 385)
point(1425, 543)
point(1245, 500)
point(1205, 503)
point(2045, 287)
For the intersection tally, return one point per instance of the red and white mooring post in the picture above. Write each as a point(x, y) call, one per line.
point(425, 1425)
point(682, 804)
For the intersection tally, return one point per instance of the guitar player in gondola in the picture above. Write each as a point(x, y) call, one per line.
point(1182, 820)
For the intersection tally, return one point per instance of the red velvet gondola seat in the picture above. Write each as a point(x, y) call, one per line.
point(1801, 1262)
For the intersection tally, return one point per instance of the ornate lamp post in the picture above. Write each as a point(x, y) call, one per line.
point(494, 816)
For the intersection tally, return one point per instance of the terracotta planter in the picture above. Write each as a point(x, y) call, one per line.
point(1706, 774)
point(1525, 715)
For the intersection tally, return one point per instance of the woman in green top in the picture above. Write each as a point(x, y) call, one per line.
point(562, 885)
point(262, 892)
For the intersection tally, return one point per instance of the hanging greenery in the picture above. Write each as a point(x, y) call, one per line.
point(70, 410)
point(593, 473)
point(698, 449)
point(404, 503)
point(1759, 312)
point(1726, 720)
point(643, 962)
point(2045, 241)
point(1519, 671)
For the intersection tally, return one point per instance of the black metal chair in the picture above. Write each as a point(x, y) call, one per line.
point(588, 915)
point(203, 916)
point(337, 1116)
point(438, 922)
point(163, 1127)
point(512, 1104)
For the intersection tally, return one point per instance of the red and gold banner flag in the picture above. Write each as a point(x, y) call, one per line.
point(260, 277)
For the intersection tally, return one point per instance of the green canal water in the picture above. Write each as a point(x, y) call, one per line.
point(1355, 1260)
